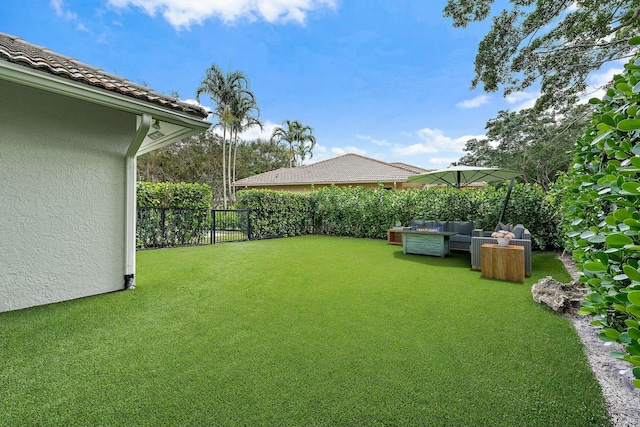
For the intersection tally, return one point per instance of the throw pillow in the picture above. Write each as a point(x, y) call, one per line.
point(505, 227)
point(518, 230)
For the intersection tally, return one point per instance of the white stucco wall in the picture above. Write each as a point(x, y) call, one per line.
point(62, 197)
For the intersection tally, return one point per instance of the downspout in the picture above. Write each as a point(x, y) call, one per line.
point(130, 202)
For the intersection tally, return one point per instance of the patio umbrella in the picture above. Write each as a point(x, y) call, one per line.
point(463, 176)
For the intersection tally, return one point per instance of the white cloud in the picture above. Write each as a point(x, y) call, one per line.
point(598, 79)
point(523, 99)
point(255, 132)
point(58, 7)
point(434, 141)
point(184, 13)
point(349, 149)
point(378, 142)
point(473, 103)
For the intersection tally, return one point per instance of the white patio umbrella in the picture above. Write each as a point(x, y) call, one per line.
point(463, 176)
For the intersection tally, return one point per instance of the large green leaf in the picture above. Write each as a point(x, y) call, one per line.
point(634, 297)
point(631, 272)
point(595, 266)
point(634, 309)
point(618, 240)
point(627, 125)
point(631, 187)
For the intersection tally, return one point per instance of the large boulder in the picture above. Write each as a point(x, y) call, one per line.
point(560, 297)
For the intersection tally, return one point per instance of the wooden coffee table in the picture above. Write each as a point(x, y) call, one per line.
point(502, 262)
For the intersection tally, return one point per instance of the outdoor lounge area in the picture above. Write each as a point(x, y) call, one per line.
point(257, 333)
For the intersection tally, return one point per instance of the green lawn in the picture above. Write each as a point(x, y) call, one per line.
point(301, 331)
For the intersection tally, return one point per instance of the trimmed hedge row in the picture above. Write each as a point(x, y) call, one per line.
point(367, 213)
point(172, 214)
point(173, 195)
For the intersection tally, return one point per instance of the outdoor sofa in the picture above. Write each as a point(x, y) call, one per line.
point(457, 242)
point(480, 237)
point(471, 239)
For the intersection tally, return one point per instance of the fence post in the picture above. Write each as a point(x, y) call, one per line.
point(213, 228)
point(163, 227)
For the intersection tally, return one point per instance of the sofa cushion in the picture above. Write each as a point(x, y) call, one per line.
point(444, 224)
point(462, 227)
point(417, 223)
point(463, 238)
point(518, 230)
point(504, 227)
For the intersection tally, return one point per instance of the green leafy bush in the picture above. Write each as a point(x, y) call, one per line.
point(366, 213)
point(173, 195)
point(277, 214)
point(603, 205)
point(172, 214)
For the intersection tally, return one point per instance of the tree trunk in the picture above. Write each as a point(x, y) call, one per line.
point(235, 157)
point(229, 165)
point(224, 170)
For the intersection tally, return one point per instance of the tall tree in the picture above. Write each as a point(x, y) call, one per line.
point(300, 139)
point(199, 159)
point(223, 88)
point(559, 42)
point(538, 144)
point(246, 114)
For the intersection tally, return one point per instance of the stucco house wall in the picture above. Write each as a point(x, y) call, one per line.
point(62, 172)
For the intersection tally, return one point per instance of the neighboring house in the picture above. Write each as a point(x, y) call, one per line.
point(347, 170)
point(69, 137)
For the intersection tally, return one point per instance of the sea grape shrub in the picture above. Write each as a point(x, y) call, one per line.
point(603, 208)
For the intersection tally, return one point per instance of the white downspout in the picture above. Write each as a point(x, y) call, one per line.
point(130, 203)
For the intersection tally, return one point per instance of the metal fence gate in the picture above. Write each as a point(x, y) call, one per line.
point(230, 225)
point(171, 227)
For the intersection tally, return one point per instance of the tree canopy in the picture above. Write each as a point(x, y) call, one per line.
point(299, 138)
point(558, 42)
point(199, 159)
point(234, 105)
point(538, 144)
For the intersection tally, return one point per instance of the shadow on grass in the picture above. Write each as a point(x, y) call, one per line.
point(456, 259)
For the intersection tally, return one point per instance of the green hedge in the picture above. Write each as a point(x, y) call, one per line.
point(173, 195)
point(366, 213)
point(603, 209)
point(172, 214)
point(277, 214)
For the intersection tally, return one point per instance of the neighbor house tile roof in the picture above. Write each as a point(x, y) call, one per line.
point(18, 51)
point(346, 169)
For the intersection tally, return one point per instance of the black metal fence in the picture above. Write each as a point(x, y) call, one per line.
point(170, 227)
point(230, 225)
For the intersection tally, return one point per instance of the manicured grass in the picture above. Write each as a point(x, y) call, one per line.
point(300, 331)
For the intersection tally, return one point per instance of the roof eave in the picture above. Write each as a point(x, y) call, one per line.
point(49, 82)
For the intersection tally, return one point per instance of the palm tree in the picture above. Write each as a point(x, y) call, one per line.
point(222, 89)
point(300, 139)
point(242, 108)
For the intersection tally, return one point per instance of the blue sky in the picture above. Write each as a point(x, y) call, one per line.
point(388, 79)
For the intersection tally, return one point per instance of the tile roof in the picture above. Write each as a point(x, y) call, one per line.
point(345, 169)
point(18, 51)
point(416, 169)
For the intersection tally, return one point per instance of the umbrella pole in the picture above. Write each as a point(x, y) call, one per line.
point(506, 200)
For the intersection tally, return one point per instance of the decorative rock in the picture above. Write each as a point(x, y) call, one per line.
point(560, 297)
